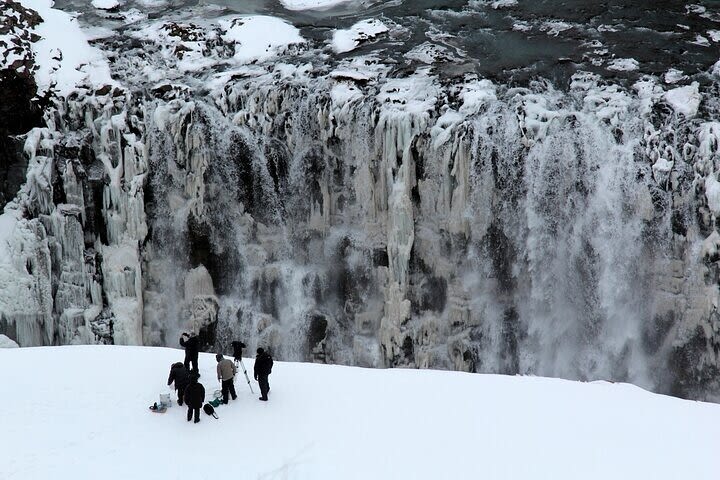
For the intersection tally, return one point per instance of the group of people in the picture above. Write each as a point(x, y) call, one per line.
point(192, 393)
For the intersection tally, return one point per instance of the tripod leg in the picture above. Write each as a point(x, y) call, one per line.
point(246, 376)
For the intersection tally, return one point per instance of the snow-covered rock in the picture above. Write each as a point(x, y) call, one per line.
point(366, 30)
point(623, 64)
point(105, 4)
point(62, 53)
point(259, 38)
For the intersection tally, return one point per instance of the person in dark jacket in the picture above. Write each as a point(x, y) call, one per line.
point(237, 350)
point(263, 368)
point(194, 397)
point(181, 376)
point(192, 347)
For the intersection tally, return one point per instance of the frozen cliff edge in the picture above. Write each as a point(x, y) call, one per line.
point(344, 209)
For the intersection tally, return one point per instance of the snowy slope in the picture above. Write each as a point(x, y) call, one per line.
point(62, 53)
point(81, 413)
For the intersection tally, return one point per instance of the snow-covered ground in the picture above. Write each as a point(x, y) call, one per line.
point(81, 413)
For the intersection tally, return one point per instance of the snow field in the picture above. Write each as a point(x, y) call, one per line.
point(82, 412)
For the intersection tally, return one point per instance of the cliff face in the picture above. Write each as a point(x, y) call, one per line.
point(348, 211)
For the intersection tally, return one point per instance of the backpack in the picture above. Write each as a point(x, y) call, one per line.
point(207, 408)
point(269, 363)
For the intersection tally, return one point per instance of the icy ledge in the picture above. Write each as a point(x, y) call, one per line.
point(341, 422)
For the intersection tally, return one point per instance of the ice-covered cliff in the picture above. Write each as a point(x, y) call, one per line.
point(305, 191)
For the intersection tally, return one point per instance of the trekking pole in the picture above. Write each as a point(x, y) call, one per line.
point(246, 375)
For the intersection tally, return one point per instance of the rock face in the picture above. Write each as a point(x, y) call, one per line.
point(18, 113)
point(350, 213)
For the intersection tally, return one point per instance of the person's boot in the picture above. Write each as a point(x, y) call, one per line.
point(180, 402)
point(197, 420)
point(264, 399)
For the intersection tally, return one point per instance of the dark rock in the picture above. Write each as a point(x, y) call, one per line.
point(18, 114)
point(694, 378)
point(380, 257)
point(317, 333)
point(408, 349)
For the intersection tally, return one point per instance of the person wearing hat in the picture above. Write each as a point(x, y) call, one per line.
point(194, 397)
point(226, 371)
point(191, 342)
point(263, 368)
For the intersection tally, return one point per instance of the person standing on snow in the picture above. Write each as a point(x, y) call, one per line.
point(194, 397)
point(226, 371)
point(237, 350)
point(181, 376)
point(192, 347)
point(263, 368)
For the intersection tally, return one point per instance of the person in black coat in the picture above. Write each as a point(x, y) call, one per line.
point(192, 347)
point(194, 398)
point(181, 376)
point(237, 350)
point(263, 368)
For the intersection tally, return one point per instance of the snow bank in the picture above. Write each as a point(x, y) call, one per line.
point(330, 422)
point(63, 55)
point(260, 37)
point(311, 4)
point(6, 342)
point(363, 31)
point(105, 4)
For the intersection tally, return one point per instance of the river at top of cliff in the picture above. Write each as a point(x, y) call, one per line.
point(509, 41)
